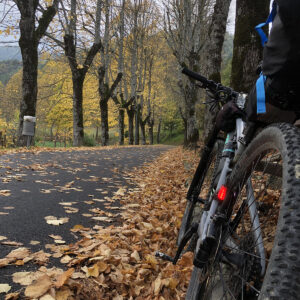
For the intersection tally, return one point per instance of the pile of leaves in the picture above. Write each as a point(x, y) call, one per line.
point(118, 262)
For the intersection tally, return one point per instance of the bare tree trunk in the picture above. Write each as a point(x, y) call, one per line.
point(78, 133)
point(137, 124)
point(143, 128)
point(143, 133)
point(121, 126)
point(185, 41)
point(247, 50)
point(106, 91)
point(78, 76)
point(192, 133)
point(97, 133)
point(150, 130)
point(213, 57)
point(184, 120)
point(158, 132)
point(30, 37)
point(130, 114)
point(29, 84)
point(104, 122)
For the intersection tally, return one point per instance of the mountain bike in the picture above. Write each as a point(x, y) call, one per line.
point(242, 215)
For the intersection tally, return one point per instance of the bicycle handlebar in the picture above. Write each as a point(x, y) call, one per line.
point(210, 84)
point(196, 76)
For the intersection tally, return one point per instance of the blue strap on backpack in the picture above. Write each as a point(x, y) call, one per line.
point(260, 83)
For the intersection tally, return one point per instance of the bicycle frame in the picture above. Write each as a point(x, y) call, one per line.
point(207, 224)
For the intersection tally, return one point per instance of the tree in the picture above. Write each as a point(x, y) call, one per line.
point(182, 25)
point(247, 50)
point(12, 98)
point(119, 99)
point(79, 71)
point(54, 106)
point(106, 91)
point(213, 57)
point(30, 36)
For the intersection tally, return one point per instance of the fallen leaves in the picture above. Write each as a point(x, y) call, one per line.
point(4, 288)
point(11, 243)
point(5, 193)
point(51, 220)
point(62, 279)
point(119, 262)
point(15, 256)
point(39, 287)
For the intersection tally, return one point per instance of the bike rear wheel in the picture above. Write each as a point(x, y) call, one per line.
point(258, 256)
point(201, 189)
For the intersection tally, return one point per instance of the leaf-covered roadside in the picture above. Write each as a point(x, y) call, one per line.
point(118, 262)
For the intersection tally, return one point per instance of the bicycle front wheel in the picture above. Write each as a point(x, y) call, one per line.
point(258, 256)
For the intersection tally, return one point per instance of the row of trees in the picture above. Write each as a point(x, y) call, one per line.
point(120, 46)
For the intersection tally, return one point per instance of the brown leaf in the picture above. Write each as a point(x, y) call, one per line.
point(12, 296)
point(41, 257)
point(93, 271)
point(157, 285)
point(62, 279)
point(47, 297)
point(55, 237)
point(66, 259)
point(39, 287)
point(19, 253)
point(5, 261)
point(64, 294)
point(135, 255)
point(25, 278)
point(11, 243)
point(5, 193)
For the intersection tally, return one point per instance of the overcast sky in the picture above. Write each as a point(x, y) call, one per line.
point(10, 40)
point(231, 17)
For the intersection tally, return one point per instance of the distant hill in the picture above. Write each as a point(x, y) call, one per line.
point(8, 68)
point(10, 53)
point(227, 50)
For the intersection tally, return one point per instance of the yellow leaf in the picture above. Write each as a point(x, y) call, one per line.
point(102, 266)
point(63, 294)
point(173, 283)
point(47, 297)
point(150, 259)
point(157, 285)
point(4, 288)
point(93, 271)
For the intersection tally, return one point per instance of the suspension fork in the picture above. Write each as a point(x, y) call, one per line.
point(256, 225)
point(207, 216)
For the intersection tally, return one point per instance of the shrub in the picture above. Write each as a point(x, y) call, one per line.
point(89, 141)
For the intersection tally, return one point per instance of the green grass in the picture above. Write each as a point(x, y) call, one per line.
point(176, 139)
point(49, 144)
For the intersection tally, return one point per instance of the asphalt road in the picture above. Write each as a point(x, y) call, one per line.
point(34, 185)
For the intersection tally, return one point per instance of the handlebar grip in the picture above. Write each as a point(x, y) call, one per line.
point(194, 75)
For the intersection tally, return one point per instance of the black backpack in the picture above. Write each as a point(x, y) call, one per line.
point(276, 96)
